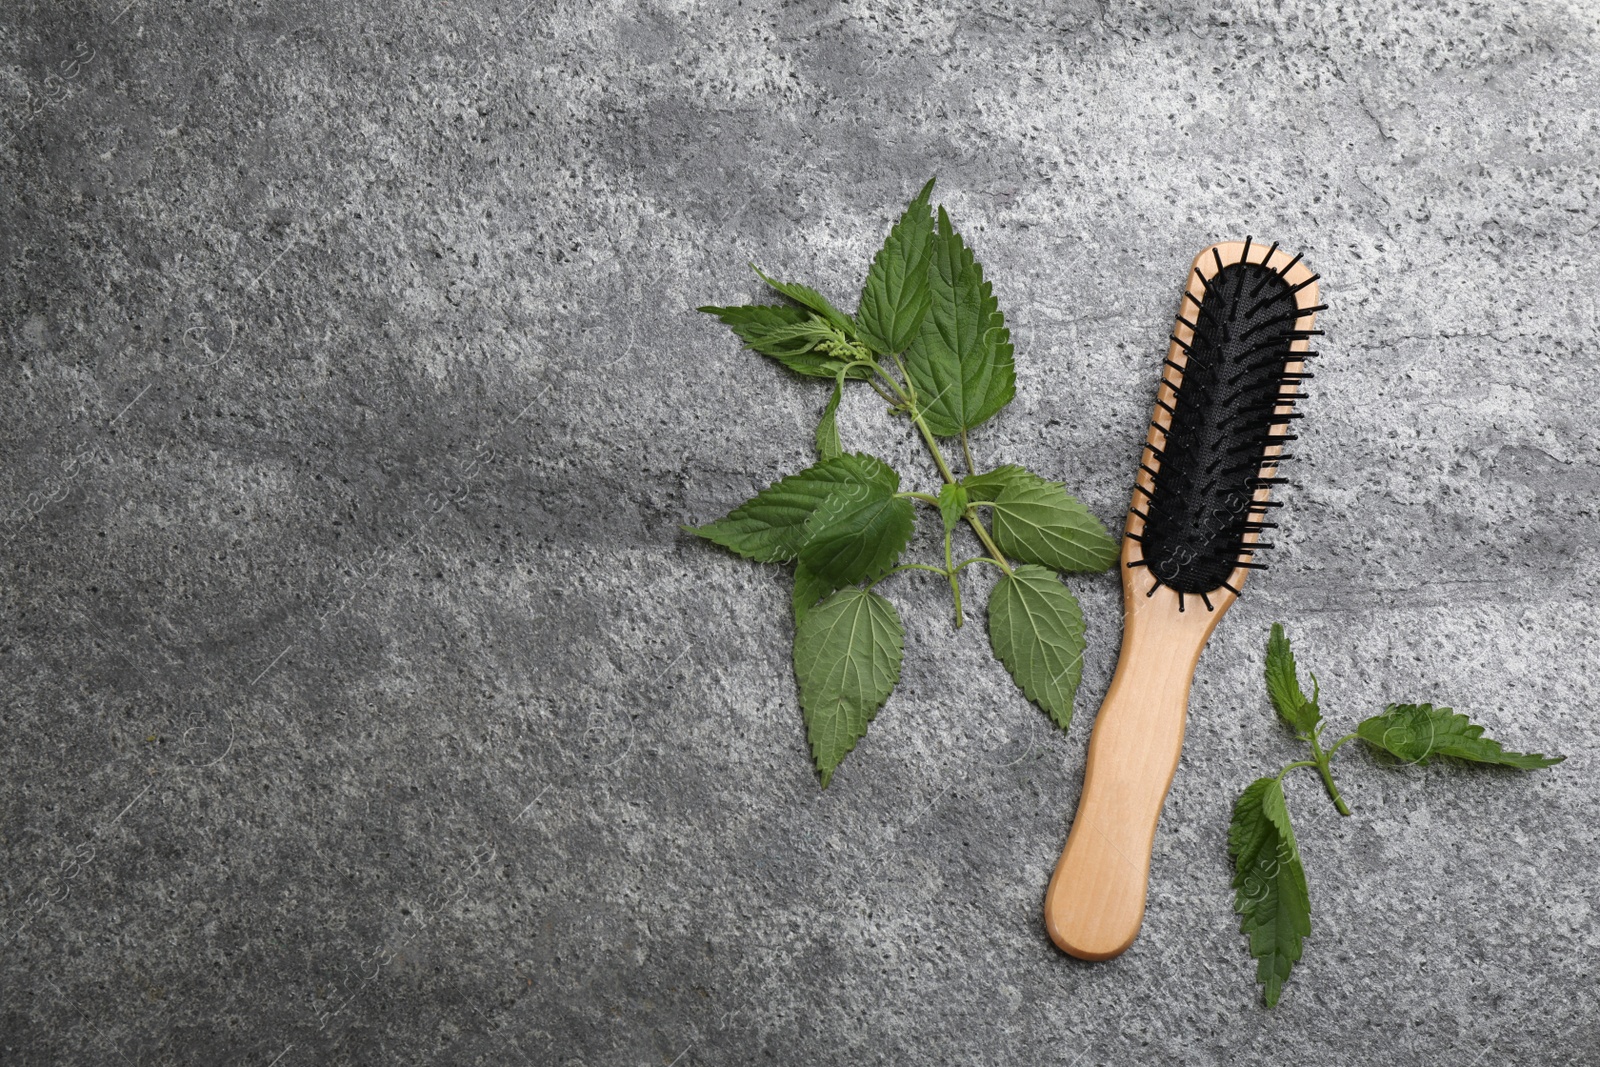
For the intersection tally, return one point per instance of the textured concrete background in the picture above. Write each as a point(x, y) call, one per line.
point(364, 704)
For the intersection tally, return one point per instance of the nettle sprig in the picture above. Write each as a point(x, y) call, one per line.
point(1269, 881)
point(929, 339)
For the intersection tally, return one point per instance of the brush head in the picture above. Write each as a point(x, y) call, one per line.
point(1228, 392)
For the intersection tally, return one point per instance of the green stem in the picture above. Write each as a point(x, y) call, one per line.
point(901, 399)
point(1333, 790)
point(1320, 762)
point(873, 366)
point(964, 564)
point(926, 498)
point(988, 542)
point(966, 452)
point(1340, 743)
point(876, 388)
point(971, 514)
point(898, 399)
point(955, 581)
point(1292, 766)
point(933, 446)
point(901, 367)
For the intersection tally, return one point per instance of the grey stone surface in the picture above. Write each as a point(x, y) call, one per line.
point(364, 703)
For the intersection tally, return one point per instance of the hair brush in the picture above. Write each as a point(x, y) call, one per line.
point(1223, 413)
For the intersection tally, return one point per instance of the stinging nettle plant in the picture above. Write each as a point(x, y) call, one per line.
point(1269, 881)
point(929, 338)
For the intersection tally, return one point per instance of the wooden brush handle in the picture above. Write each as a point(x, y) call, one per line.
point(1095, 903)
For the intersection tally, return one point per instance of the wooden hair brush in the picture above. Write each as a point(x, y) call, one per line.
point(1223, 413)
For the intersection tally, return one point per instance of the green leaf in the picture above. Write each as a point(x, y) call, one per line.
point(808, 589)
point(952, 504)
point(1269, 883)
point(776, 330)
point(828, 444)
point(895, 298)
point(847, 653)
point(988, 485)
point(801, 341)
point(1040, 522)
point(857, 533)
point(961, 361)
point(1283, 686)
point(771, 526)
point(1418, 732)
point(1036, 630)
point(755, 323)
point(808, 297)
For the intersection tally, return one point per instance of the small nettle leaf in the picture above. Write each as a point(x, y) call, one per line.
point(961, 360)
point(1418, 732)
point(808, 297)
point(857, 533)
point(754, 324)
point(1036, 630)
point(895, 298)
point(1040, 522)
point(847, 653)
point(827, 436)
point(989, 484)
point(795, 337)
point(771, 329)
point(771, 526)
point(952, 504)
point(1283, 685)
point(1270, 892)
point(808, 589)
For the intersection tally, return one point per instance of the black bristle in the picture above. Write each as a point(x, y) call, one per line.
point(1263, 279)
point(1201, 517)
